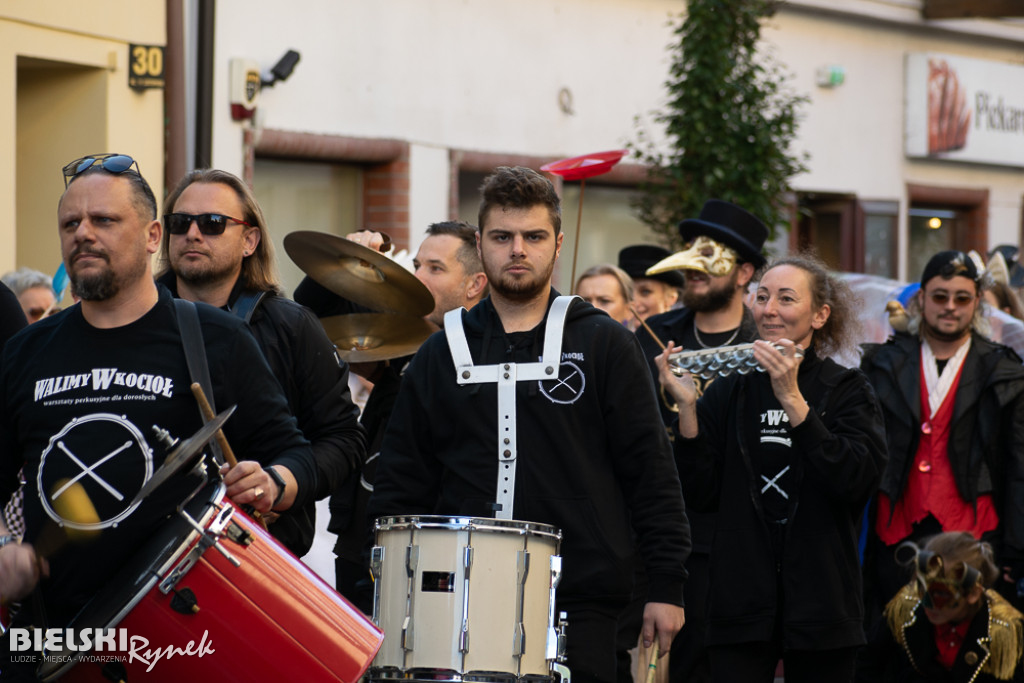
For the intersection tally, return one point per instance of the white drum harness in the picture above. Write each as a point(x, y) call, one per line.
point(505, 375)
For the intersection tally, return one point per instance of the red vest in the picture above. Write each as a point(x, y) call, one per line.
point(931, 488)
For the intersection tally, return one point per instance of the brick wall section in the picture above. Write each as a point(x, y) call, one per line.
point(386, 199)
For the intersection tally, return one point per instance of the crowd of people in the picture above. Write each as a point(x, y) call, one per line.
point(849, 522)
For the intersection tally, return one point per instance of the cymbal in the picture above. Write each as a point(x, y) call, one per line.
point(358, 273)
point(183, 453)
point(367, 337)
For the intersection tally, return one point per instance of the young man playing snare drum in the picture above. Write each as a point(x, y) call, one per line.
point(590, 455)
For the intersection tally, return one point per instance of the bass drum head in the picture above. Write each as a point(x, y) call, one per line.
point(123, 592)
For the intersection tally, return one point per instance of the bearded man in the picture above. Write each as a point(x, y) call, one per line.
point(572, 441)
point(953, 403)
point(216, 250)
point(722, 255)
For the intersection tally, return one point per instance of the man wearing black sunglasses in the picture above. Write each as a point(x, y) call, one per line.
point(215, 250)
point(81, 392)
point(954, 416)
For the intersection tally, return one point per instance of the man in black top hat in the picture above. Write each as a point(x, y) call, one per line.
point(722, 255)
point(652, 294)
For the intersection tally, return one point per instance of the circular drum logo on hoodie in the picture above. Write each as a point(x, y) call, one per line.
point(568, 386)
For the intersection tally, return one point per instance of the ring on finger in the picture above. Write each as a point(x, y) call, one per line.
point(257, 493)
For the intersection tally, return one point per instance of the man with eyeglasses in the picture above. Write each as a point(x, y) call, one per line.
point(82, 390)
point(35, 292)
point(954, 414)
point(215, 250)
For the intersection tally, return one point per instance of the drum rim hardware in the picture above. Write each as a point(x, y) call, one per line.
point(208, 537)
point(458, 523)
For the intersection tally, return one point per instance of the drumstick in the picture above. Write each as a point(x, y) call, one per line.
point(222, 441)
point(208, 414)
point(652, 666)
point(72, 504)
point(646, 327)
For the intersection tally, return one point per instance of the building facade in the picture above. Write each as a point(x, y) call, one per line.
point(79, 79)
point(396, 109)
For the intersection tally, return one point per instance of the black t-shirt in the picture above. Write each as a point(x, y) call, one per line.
point(773, 456)
point(81, 404)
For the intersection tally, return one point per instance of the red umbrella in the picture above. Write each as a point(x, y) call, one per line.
point(580, 168)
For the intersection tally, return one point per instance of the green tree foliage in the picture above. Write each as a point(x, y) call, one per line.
point(729, 122)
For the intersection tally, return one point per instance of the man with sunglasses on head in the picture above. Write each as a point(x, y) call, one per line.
point(84, 391)
point(953, 403)
point(215, 250)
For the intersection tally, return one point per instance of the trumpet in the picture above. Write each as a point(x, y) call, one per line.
point(721, 361)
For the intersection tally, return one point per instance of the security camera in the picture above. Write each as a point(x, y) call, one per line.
point(283, 69)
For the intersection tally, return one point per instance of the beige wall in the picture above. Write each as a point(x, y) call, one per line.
point(483, 76)
point(854, 132)
point(65, 94)
point(120, 20)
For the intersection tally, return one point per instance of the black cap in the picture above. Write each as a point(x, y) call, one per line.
point(732, 226)
point(635, 260)
point(948, 264)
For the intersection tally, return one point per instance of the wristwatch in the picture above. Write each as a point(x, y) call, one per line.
point(279, 481)
point(8, 539)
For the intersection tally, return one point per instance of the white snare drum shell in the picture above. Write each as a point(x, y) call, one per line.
point(463, 596)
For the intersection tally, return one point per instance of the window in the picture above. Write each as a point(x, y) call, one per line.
point(880, 243)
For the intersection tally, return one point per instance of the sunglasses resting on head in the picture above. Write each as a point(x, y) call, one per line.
point(111, 163)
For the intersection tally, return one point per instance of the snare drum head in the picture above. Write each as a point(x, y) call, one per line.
point(456, 523)
point(119, 595)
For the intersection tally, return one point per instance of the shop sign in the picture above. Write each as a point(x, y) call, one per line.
point(964, 109)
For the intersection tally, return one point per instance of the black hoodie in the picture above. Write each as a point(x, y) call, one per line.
point(593, 457)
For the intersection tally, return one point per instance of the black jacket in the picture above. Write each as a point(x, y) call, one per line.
point(673, 326)
point(838, 453)
point(986, 443)
point(593, 456)
point(12, 317)
point(315, 382)
point(908, 653)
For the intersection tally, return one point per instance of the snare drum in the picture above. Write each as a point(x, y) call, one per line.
point(249, 608)
point(464, 599)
